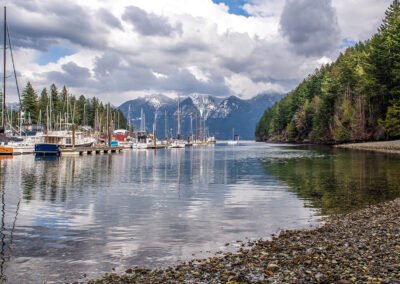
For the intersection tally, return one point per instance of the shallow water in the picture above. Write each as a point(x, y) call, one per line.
point(66, 217)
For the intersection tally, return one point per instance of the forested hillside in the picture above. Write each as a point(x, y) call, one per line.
point(356, 98)
point(55, 106)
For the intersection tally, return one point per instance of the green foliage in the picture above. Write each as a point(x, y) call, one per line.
point(352, 99)
point(30, 103)
point(291, 129)
point(392, 122)
point(58, 106)
point(344, 122)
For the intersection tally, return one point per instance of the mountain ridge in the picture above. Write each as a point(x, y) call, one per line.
point(220, 114)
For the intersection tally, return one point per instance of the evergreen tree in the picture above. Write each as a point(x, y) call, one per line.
point(81, 108)
point(43, 106)
point(30, 103)
point(43, 100)
point(355, 98)
point(54, 99)
point(392, 122)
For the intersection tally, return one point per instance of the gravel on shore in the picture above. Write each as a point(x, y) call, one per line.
point(359, 247)
point(385, 146)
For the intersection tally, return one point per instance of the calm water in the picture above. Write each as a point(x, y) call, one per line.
point(62, 218)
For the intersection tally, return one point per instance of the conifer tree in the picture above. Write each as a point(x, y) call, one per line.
point(54, 99)
point(355, 98)
point(43, 100)
point(30, 103)
point(392, 122)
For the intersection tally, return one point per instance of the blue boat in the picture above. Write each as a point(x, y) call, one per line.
point(46, 149)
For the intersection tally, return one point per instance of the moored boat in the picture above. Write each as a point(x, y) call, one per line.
point(177, 144)
point(211, 140)
point(52, 143)
point(121, 135)
point(21, 148)
point(47, 149)
point(235, 140)
point(6, 150)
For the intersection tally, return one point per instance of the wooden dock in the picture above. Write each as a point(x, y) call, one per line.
point(90, 150)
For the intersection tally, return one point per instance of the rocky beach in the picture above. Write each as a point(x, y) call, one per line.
point(358, 247)
point(383, 147)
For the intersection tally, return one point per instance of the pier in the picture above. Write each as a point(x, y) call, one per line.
point(90, 150)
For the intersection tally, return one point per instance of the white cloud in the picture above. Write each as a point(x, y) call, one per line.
point(206, 49)
point(358, 19)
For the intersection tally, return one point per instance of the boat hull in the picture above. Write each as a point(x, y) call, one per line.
point(127, 145)
point(141, 146)
point(47, 150)
point(21, 150)
point(6, 151)
point(177, 146)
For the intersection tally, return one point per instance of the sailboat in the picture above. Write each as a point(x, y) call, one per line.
point(143, 140)
point(5, 149)
point(235, 140)
point(178, 142)
point(25, 142)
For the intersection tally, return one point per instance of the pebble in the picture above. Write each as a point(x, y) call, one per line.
point(358, 247)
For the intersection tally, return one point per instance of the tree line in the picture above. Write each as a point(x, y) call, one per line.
point(53, 107)
point(356, 98)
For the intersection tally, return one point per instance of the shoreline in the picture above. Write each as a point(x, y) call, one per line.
point(358, 247)
point(391, 147)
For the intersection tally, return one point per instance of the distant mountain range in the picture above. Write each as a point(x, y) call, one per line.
point(220, 115)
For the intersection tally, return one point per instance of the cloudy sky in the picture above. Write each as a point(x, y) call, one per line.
point(121, 49)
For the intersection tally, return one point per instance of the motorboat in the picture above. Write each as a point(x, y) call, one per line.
point(121, 135)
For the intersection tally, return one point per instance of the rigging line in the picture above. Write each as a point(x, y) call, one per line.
point(13, 64)
point(13, 227)
point(2, 231)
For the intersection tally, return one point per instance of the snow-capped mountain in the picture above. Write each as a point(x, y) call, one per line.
point(219, 114)
point(205, 104)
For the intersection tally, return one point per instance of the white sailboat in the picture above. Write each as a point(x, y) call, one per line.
point(143, 140)
point(26, 145)
point(5, 147)
point(235, 140)
point(178, 142)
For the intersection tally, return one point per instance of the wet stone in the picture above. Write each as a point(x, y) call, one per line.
point(360, 247)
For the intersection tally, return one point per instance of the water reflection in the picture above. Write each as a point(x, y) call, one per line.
point(7, 233)
point(86, 215)
point(339, 180)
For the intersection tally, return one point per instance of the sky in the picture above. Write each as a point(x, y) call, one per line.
point(119, 50)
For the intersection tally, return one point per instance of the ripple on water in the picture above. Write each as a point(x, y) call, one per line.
point(89, 214)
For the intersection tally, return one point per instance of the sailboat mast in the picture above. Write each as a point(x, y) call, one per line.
point(179, 119)
point(49, 113)
point(3, 120)
point(191, 125)
point(128, 125)
point(166, 127)
point(67, 115)
point(142, 122)
point(84, 114)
